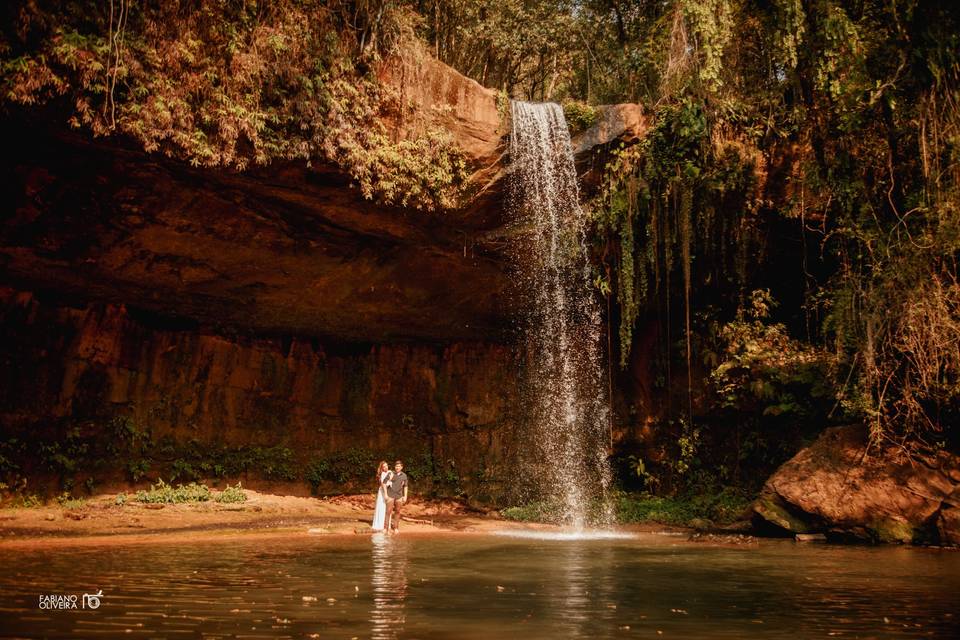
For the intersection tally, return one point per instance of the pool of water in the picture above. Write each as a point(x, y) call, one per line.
point(481, 586)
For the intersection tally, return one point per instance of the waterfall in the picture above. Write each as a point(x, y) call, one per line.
point(566, 460)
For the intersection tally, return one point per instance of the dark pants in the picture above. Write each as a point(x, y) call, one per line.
point(394, 505)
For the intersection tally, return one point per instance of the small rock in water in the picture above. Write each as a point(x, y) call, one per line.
point(309, 598)
point(331, 600)
point(810, 537)
point(722, 538)
point(499, 588)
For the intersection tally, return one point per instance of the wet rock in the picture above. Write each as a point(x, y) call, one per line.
point(842, 488)
point(810, 537)
point(622, 122)
point(741, 526)
point(722, 538)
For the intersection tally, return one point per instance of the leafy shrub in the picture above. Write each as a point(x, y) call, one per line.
point(579, 116)
point(760, 368)
point(233, 86)
point(232, 494)
point(722, 507)
point(67, 501)
point(341, 467)
point(138, 469)
point(28, 501)
point(161, 492)
point(534, 512)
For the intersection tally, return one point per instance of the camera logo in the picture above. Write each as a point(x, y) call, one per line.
point(92, 600)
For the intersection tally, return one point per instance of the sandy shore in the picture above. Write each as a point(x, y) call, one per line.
point(100, 521)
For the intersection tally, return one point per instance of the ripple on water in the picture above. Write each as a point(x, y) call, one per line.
point(582, 534)
point(481, 587)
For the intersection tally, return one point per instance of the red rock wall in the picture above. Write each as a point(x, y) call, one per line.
point(65, 363)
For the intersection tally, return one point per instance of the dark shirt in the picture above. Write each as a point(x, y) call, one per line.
point(399, 483)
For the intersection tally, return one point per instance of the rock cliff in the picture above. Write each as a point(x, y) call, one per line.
point(271, 307)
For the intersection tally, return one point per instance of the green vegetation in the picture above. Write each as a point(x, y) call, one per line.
point(231, 494)
point(695, 509)
point(550, 511)
point(233, 85)
point(350, 465)
point(720, 508)
point(67, 501)
point(579, 116)
point(161, 492)
point(825, 134)
point(28, 501)
point(835, 128)
point(354, 468)
point(96, 449)
point(783, 243)
point(533, 512)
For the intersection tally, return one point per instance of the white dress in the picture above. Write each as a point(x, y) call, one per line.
point(380, 511)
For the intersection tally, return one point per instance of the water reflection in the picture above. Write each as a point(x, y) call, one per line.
point(388, 614)
point(575, 585)
point(583, 588)
point(480, 587)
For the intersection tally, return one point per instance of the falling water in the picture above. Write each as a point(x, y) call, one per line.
point(568, 416)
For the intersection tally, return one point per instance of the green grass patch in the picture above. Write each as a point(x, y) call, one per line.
point(533, 512)
point(719, 508)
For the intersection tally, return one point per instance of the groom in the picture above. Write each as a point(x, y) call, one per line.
point(396, 497)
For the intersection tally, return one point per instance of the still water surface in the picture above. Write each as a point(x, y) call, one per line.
point(480, 586)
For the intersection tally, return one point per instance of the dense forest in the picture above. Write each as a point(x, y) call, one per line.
point(782, 244)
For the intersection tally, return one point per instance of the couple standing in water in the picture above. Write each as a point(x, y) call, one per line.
point(391, 496)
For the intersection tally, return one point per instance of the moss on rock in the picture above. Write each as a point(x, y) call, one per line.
point(770, 508)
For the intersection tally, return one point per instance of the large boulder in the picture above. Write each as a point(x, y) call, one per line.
point(846, 488)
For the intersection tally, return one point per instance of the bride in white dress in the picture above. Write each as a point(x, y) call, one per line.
point(380, 511)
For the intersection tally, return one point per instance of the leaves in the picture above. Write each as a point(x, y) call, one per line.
point(234, 86)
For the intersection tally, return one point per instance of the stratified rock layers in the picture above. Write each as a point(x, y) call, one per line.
point(67, 366)
point(846, 489)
